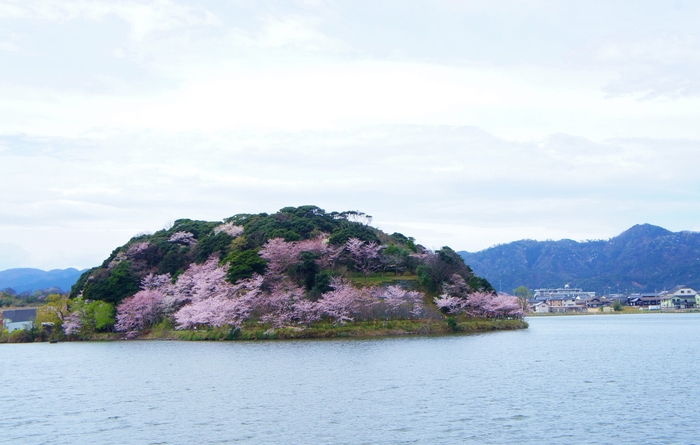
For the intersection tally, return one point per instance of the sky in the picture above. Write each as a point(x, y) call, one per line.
point(461, 123)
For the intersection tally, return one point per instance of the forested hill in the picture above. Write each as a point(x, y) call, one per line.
point(643, 258)
point(237, 243)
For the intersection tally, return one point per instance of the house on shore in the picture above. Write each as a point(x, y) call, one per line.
point(14, 319)
point(564, 293)
point(560, 300)
point(645, 299)
point(680, 297)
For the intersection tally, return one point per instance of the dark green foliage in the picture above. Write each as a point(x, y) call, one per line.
point(353, 230)
point(642, 259)
point(197, 228)
point(243, 264)
point(290, 223)
point(112, 286)
point(451, 257)
point(452, 323)
point(397, 259)
point(321, 285)
point(308, 274)
point(399, 238)
point(214, 243)
point(408, 242)
point(78, 286)
point(440, 267)
point(412, 245)
point(480, 284)
point(304, 272)
point(175, 259)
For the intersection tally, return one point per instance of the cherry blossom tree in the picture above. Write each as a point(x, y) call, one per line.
point(139, 311)
point(506, 306)
point(185, 238)
point(364, 255)
point(306, 312)
point(277, 306)
point(216, 311)
point(456, 286)
point(152, 281)
point(280, 255)
point(327, 254)
point(199, 281)
point(215, 302)
point(73, 324)
point(450, 304)
point(343, 301)
point(230, 229)
point(137, 249)
point(394, 297)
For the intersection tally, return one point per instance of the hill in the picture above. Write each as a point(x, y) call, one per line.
point(30, 280)
point(237, 242)
point(643, 258)
point(301, 270)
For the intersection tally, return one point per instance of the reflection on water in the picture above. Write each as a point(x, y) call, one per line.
point(592, 379)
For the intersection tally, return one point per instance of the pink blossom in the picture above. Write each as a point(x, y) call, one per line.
point(151, 281)
point(137, 249)
point(225, 305)
point(277, 305)
point(453, 305)
point(343, 301)
point(73, 324)
point(306, 312)
point(230, 229)
point(364, 255)
point(139, 311)
point(395, 297)
point(198, 282)
point(280, 255)
point(216, 311)
point(185, 238)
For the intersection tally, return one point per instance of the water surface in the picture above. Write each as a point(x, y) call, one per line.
point(629, 379)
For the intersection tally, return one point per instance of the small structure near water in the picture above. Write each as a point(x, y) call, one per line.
point(14, 319)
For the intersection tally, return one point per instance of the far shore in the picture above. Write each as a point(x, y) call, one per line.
point(627, 310)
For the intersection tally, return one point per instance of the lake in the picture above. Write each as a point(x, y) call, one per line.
point(608, 379)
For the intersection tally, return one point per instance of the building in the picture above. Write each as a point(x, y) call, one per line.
point(14, 319)
point(562, 293)
point(644, 299)
point(680, 297)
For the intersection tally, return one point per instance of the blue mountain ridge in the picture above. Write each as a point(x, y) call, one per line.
point(643, 258)
point(30, 280)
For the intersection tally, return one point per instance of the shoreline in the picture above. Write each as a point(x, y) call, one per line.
point(366, 329)
point(623, 312)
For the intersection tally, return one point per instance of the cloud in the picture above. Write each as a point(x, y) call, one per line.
point(467, 123)
point(658, 68)
point(143, 17)
point(12, 255)
point(458, 186)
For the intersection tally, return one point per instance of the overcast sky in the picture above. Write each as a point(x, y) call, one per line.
point(462, 123)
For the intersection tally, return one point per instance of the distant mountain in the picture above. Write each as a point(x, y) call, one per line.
point(29, 280)
point(643, 258)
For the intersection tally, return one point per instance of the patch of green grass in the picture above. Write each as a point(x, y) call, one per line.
point(376, 279)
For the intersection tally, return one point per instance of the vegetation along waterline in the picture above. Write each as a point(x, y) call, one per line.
point(298, 273)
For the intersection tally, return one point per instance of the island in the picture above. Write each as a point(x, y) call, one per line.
point(301, 272)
